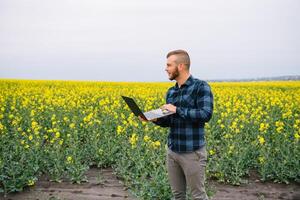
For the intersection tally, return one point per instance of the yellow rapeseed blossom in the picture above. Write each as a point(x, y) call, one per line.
point(212, 152)
point(57, 134)
point(32, 113)
point(297, 136)
point(261, 140)
point(263, 127)
point(88, 118)
point(155, 145)
point(70, 159)
point(30, 182)
point(72, 125)
point(261, 159)
point(55, 113)
point(147, 138)
point(133, 140)
point(119, 130)
point(30, 137)
point(279, 126)
point(34, 124)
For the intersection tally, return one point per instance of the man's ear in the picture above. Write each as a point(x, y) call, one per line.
point(181, 67)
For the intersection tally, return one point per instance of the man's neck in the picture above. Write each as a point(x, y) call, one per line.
point(182, 79)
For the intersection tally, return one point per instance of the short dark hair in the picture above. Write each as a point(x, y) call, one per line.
point(182, 57)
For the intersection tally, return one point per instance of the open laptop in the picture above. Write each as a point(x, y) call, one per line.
point(152, 114)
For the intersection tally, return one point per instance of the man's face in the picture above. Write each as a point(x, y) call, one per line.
point(172, 68)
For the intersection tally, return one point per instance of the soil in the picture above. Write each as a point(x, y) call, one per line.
point(255, 190)
point(104, 185)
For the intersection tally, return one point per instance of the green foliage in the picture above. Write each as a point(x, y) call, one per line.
point(62, 128)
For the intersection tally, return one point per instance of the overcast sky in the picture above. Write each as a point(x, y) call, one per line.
point(127, 40)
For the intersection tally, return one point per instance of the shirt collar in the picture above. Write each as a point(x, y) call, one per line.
point(188, 82)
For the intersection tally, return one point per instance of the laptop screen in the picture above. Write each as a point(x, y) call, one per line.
point(133, 106)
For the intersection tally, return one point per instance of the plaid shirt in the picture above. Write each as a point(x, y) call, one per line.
point(194, 102)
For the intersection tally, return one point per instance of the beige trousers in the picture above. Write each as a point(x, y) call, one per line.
point(187, 170)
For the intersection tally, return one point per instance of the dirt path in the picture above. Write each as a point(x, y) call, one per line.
point(255, 191)
point(103, 185)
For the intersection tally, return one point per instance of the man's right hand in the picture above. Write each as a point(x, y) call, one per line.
point(145, 120)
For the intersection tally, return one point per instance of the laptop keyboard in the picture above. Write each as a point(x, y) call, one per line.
point(150, 115)
point(155, 114)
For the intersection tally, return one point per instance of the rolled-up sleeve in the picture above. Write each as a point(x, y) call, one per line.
point(204, 105)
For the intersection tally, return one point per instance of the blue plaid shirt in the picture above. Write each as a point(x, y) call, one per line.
point(194, 102)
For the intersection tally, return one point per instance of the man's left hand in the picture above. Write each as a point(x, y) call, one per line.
point(169, 107)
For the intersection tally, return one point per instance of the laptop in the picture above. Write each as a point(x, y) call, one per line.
point(152, 114)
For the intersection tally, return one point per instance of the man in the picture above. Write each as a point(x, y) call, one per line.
point(192, 102)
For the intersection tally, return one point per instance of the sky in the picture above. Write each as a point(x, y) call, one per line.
point(128, 40)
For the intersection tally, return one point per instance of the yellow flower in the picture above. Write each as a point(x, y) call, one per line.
point(279, 126)
point(155, 144)
point(30, 182)
point(70, 159)
point(32, 113)
point(279, 129)
point(119, 130)
point(261, 140)
point(57, 134)
point(263, 127)
point(53, 117)
point(30, 137)
point(212, 152)
point(133, 139)
point(297, 136)
point(72, 125)
point(147, 138)
point(233, 125)
point(34, 124)
point(88, 118)
point(261, 159)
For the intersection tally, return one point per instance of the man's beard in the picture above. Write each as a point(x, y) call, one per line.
point(175, 74)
